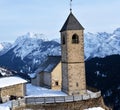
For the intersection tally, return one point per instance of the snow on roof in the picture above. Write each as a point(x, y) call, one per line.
point(95, 108)
point(9, 81)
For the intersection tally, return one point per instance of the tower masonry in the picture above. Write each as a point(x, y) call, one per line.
point(72, 49)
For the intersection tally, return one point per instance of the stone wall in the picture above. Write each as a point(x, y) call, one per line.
point(65, 78)
point(73, 67)
point(36, 80)
point(56, 76)
point(47, 79)
point(74, 105)
point(54, 100)
point(76, 76)
point(72, 52)
point(15, 90)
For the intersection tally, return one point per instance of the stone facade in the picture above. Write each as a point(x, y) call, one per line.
point(47, 80)
point(78, 105)
point(73, 67)
point(56, 78)
point(72, 52)
point(14, 90)
point(51, 79)
point(38, 80)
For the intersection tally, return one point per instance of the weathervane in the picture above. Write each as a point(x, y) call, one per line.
point(70, 5)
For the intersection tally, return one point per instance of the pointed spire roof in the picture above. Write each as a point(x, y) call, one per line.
point(71, 24)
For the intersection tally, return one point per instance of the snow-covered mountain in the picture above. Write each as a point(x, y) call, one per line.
point(96, 45)
point(28, 51)
point(34, 45)
point(31, 49)
point(5, 72)
point(4, 47)
point(102, 44)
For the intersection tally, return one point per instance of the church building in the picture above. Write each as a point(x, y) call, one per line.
point(72, 50)
point(66, 73)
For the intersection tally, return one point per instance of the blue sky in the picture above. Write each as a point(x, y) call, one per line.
point(17, 17)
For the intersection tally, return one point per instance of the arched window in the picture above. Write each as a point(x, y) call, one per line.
point(63, 40)
point(75, 39)
point(77, 84)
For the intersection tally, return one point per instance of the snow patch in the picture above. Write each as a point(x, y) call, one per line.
point(5, 106)
point(34, 91)
point(4, 47)
point(2, 73)
point(1, 47)
point(95, 108)
point(32, 75)
point(9, 81)
point(5, 72)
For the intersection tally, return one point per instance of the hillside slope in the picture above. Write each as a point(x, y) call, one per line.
point(104, 74)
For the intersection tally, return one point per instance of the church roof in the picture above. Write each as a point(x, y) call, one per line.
point(10, 81)
point(71, 24)
point(49, 64)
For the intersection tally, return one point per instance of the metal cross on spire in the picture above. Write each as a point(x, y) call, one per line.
point(70, 5)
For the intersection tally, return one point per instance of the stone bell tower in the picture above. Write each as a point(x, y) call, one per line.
point(72, 49)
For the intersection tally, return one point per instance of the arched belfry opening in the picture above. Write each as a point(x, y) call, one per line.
point(75, 39)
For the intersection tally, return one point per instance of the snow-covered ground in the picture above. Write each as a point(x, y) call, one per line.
point(5, 106)
point(33, 91)
point(95, 108)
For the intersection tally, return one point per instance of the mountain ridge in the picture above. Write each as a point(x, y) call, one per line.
point(31, 49)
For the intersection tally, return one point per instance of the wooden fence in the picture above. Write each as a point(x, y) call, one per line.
point(51, 100)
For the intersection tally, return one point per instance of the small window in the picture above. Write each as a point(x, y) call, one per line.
point(75, 39)
point(56, 83)
point(77, 84)
point(63, 40)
